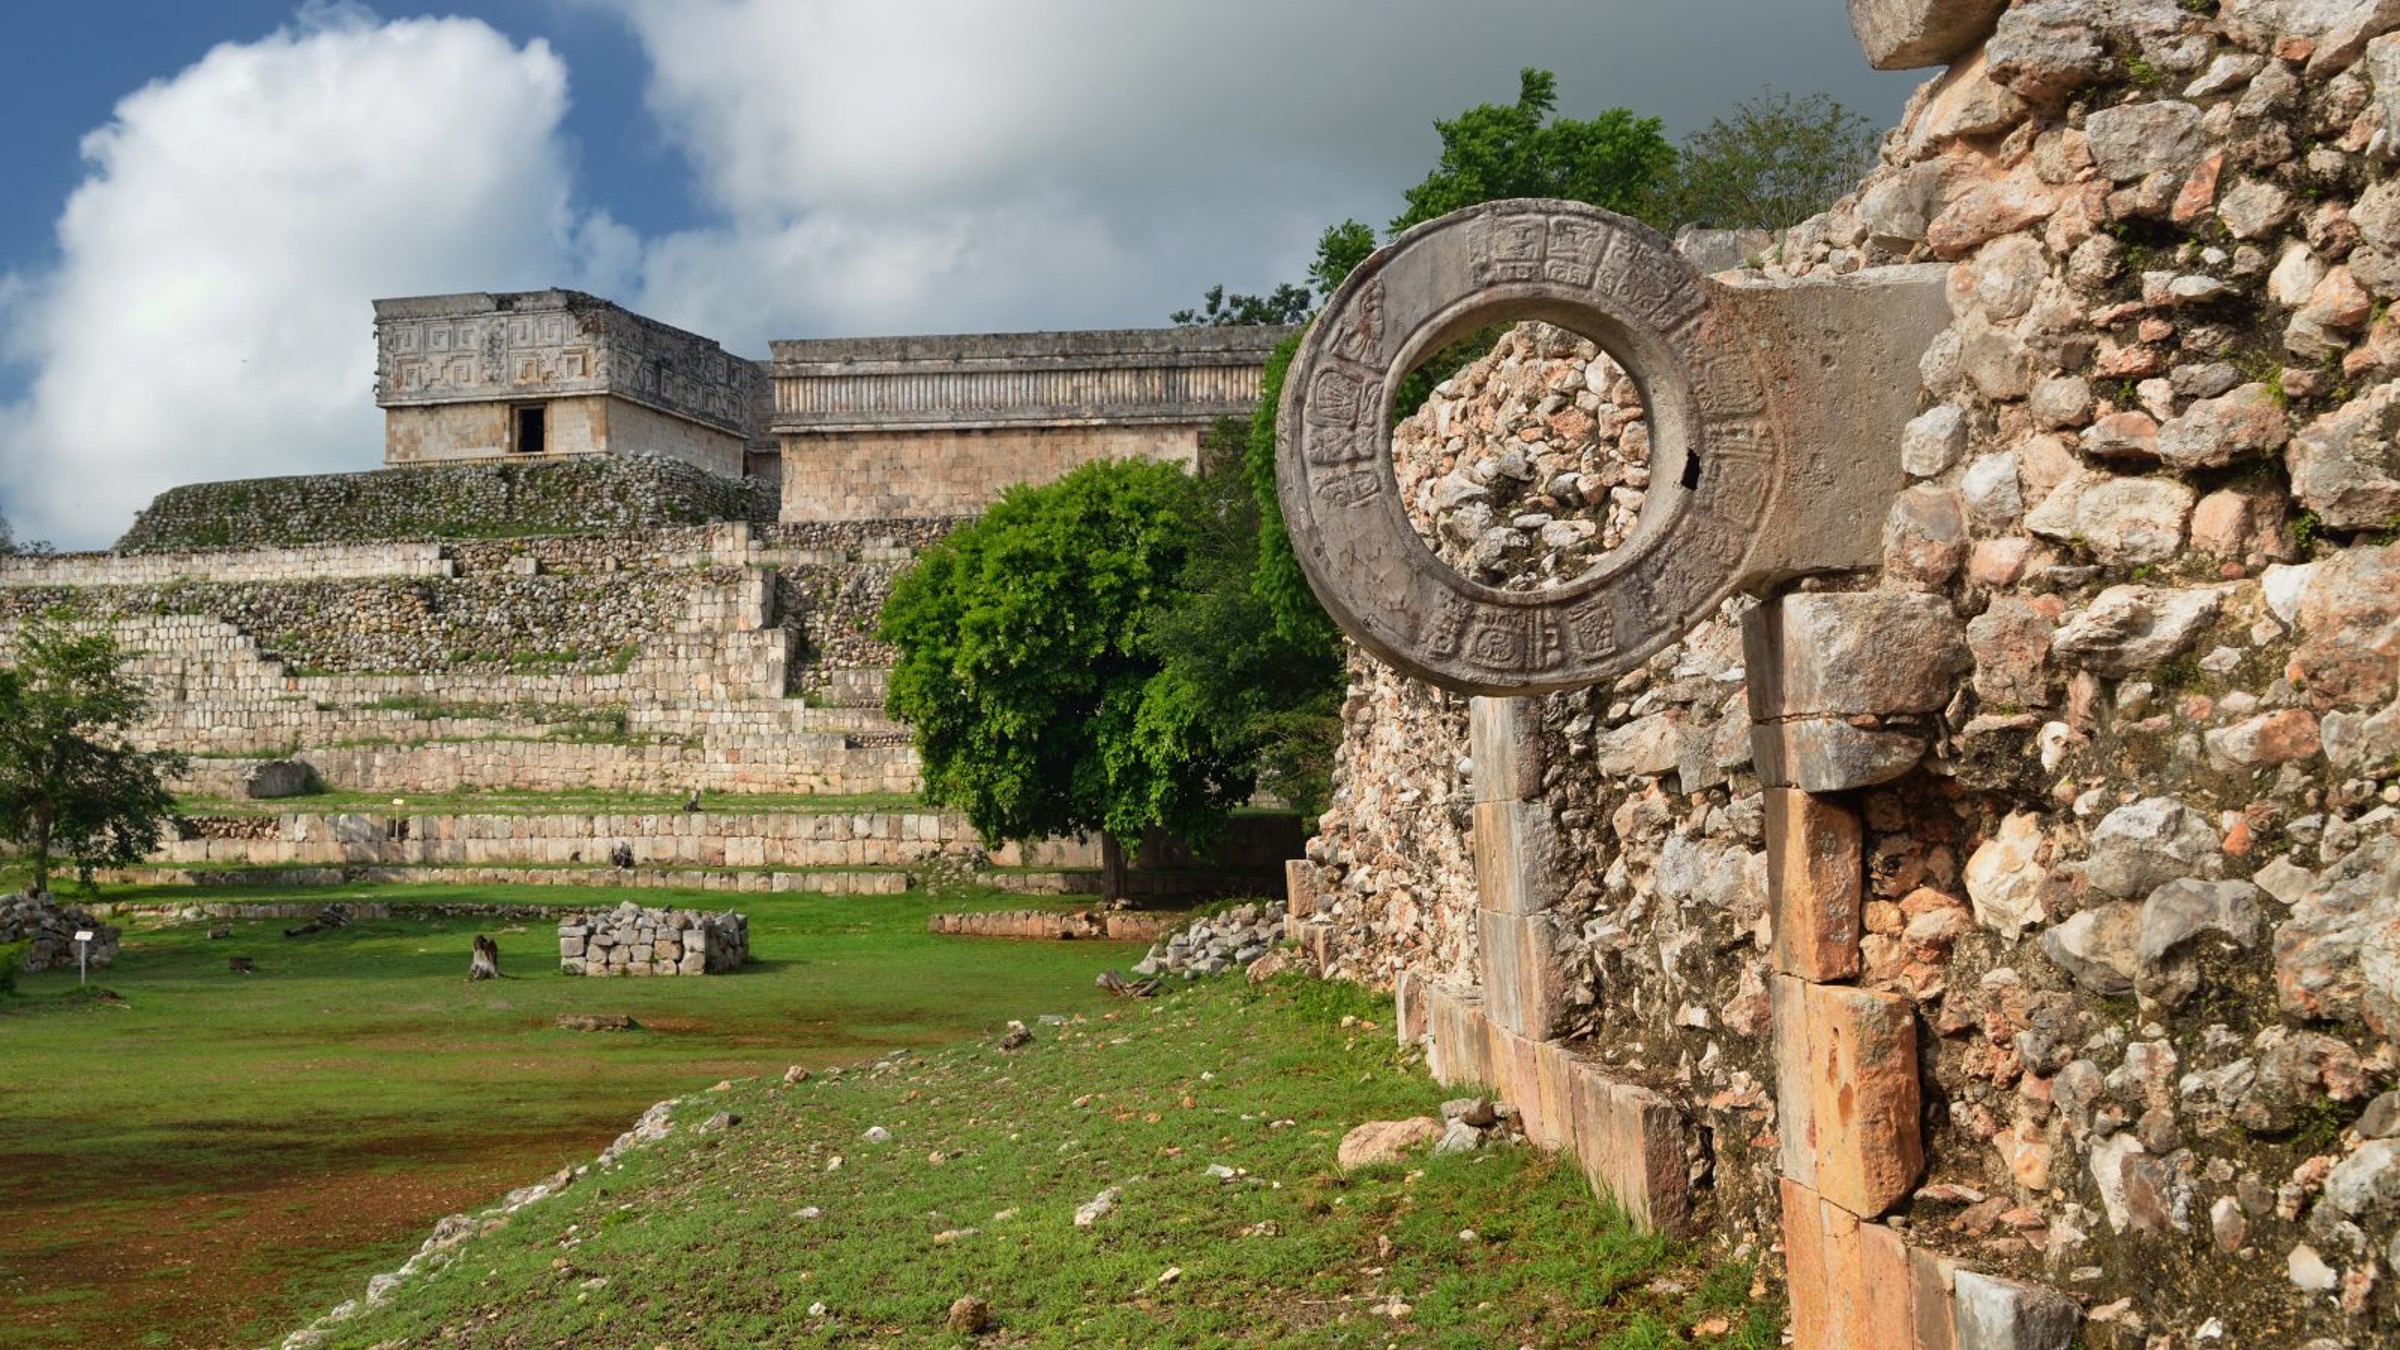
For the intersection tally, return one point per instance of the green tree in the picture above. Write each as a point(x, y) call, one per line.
point(1773, 162)
point(1028, 670)
point(1494, 151)
point(71, 785)
point(1285, 304)
point(1339, 251)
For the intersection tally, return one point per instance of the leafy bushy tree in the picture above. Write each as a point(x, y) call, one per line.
point(71, 785)
point(1028, 668)
point(1494, 151)
point(1287, 303)
point(1773, 162)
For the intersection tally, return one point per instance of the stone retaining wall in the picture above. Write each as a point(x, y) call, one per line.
point(2008, 926)
point(630, 940)
point(657, 839)
point(1045, 924)
point(599, 493)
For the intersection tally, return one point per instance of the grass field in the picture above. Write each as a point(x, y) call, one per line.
point(1214, 1111)
point(210, 1157)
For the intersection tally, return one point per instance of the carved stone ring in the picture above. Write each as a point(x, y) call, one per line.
point(1715, 457)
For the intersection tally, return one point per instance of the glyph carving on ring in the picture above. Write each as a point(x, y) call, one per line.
point(1715, 458)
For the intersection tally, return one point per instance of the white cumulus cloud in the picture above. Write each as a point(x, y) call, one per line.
point(208, 315)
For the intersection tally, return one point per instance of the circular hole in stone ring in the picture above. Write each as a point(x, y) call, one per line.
point(1711, 466)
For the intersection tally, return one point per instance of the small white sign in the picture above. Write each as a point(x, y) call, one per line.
point(83, 935)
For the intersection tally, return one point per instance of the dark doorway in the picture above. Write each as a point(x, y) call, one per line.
point(531, 425)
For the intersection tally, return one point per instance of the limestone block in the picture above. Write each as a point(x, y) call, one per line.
point(1911, 34)
point(1459, 1053)
point(1516, 1062)
point(1847, 1095)
point(1815, 876)
point(1632, 1145)
point(1817, 754)
point(1517, 868)
point(1302, 882)
point(1524, 987)
point(1994, 1313)
point(1850, 654)
point(1503, 738)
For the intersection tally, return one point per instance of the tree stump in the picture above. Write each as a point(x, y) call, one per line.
point(486, 965)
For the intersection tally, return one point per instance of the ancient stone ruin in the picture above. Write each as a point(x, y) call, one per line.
point(48, 931)
point(631, 940)
point(1981, 893)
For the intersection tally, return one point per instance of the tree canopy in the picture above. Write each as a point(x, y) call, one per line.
point(71, 784)
point(1028, 669)
point(1493, 151)
point(1773, 162)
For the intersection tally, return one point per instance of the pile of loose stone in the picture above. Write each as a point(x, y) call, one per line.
point(1528, 464)
point(1229, 941)
point(49, 929)
point(631, 940)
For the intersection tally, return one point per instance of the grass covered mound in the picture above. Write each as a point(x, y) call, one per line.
point(856, 1208)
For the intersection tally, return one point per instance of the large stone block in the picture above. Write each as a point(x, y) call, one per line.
point(1852, 654)
point(1818, 754)
point(1302, 886)
point(1517, 867)
point(1504, 739)
point(1524, 988)
point(1911, 34)
point(1517, 1066)
point(1815, 879)
point(1459, 1053)
point(1632, 1144)
point(1994, 1313)
point(1846, 1071)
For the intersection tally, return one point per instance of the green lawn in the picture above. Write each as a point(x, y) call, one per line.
point(1214, 1110)
point(218, 1154)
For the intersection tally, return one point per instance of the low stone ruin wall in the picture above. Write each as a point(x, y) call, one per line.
point(630, 940)
point(49, 930)
point(601, 492)
point(1049, 924)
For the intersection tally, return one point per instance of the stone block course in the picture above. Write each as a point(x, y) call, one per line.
point(1846, 1080)
point(1815, 880)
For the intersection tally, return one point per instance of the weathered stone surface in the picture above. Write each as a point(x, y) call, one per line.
point(1908, 34)
point(2004, 876)
point(1517, 869)
point(1925, 536)
point(2011, 643)
point(2338, 957)
point(1991, 492)
point(2214, 432)
point(2097, 948)
point(2344, 466)
point(2182, 910)
point(279, 778)
point(1524, 986)
point(2047, 49)
point(2133, 520)
point(2134, 140)
point(1934, 440)
point(2281, 737)
point(1503, 737)
point(1633, 1145)
point(2142, 846)
point(2336, 31)
point(1847, 654)
point(2366, 1185)
point(1850, 1128)
point(2131, 629)
point(2349, 620)
point(1817, 754)
point(1993, 1312)
point(1815, 876)
point(1384, 1141)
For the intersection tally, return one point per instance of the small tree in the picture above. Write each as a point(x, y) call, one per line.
point(1027, 669)
point(1495, 151)
point(1773, 162)
point(71, 785)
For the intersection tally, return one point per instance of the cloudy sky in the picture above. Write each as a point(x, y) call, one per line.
point(199, 201)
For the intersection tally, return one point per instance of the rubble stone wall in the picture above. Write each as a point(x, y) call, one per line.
point(2104, 759)
point(631, 940)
